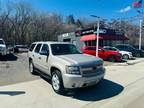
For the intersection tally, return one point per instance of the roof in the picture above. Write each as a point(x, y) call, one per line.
point(52, 42)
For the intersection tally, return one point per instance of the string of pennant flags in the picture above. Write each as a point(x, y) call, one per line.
point(137, 4)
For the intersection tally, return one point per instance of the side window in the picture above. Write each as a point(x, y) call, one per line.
point(129, 48)
point(37, 49)
point(32, 47)
point(120, 47)
point(45, 48)
point(106, 49)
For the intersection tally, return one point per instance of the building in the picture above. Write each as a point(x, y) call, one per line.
point(87, 37)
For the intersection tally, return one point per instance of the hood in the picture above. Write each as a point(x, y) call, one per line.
point(2, 45)
point(81, 59)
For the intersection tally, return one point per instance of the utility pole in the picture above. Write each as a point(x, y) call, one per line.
point(140, 34)
point(97, 34)
point(97, 39)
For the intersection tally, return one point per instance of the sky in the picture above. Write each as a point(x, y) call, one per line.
point(108, 9)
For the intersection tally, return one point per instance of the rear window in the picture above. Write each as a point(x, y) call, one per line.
point(32, 47)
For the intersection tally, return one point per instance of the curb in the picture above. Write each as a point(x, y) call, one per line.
point(135, 61)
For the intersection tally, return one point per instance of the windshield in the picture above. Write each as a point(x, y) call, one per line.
point(114, 49)
point(111, 48)
point(1, 42)
point(64, 49)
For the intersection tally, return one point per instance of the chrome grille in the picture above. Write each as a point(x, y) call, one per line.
point(92, 70)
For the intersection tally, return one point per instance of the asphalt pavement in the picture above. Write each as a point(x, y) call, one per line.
point(14, 69)
point(122, 86)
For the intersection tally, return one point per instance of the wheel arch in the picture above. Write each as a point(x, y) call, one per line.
point(30, 59)
point(54, 68)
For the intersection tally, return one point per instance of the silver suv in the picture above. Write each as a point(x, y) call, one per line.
point(65, 65)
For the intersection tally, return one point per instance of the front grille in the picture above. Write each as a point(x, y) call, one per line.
point(1, 48)
point(91, 70)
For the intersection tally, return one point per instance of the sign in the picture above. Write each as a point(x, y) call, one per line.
point(84, 32)
point(67, 34)
point(90, 31)
point(101, 31)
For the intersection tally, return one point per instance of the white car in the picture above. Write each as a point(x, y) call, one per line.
point(125, 54)
point(3, 49)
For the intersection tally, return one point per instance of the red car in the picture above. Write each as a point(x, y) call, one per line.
point(104, 54)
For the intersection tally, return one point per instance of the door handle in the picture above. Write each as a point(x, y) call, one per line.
point(39, 57)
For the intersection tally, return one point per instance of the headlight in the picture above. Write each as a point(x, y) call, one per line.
point(73, 70)
point(99, 66)
point(130, 53)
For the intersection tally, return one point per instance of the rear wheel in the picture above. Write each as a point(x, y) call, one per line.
point(57, 83)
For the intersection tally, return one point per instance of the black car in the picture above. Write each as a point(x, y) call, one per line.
point(20, 48)
point(126, 47)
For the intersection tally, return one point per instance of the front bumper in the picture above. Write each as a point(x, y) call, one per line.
point(3, 52)
point(78, 81)
point(118, 59)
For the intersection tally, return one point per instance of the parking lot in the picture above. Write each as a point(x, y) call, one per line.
point(123, 84)
point(14, 69)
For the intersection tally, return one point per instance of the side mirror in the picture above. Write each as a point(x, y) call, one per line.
point(102, 50)
point(46, 53)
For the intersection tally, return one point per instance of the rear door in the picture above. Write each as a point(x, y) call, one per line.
point(36, 55)
point(44, 58)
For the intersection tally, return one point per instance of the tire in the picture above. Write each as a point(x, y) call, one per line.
point(57, 83)
point(111, 58)
point(125, 57)
point(31, 67)
point(138, 55)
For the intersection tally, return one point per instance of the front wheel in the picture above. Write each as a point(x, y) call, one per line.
point(57, 83)
point(125, 56)
point(111, 58)
point(31, 67)
point(138, 55)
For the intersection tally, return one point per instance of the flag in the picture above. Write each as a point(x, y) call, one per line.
point(137, 4)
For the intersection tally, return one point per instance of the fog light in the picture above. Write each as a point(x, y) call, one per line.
point(74, 85)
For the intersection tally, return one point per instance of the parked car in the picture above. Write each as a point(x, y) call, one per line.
point(3, 48)
point(65, 65)
point(126, 47)
point(125, 54)
point(102, 53)
point(20, 48)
